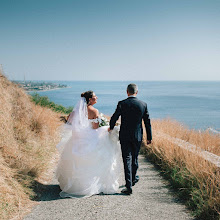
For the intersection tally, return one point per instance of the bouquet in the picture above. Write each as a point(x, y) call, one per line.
point(104, 121)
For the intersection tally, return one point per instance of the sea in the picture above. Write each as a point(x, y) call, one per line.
point(196, 104)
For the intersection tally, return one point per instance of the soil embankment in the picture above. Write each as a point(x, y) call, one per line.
point(28, 134)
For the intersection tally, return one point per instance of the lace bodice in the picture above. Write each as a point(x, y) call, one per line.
point(96, 120)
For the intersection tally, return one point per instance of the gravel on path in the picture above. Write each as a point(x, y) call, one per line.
point(151, 199)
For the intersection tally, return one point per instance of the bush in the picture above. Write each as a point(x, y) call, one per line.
point(45, 102)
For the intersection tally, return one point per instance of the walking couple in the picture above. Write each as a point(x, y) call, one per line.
point(91, 155)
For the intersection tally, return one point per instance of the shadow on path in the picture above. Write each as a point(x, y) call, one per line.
point(52, 192)
point(46, 192)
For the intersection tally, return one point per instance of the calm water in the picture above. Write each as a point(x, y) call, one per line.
point(196, 104)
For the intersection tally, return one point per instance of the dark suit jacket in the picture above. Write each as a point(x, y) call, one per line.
point(132, 111)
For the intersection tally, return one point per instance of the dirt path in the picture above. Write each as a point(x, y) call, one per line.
point(151, 199)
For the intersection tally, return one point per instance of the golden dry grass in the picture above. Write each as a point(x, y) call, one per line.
point(203, 139)
point(28, 135)
point(193, 175)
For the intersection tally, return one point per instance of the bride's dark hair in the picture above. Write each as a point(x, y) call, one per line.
point(87, 95)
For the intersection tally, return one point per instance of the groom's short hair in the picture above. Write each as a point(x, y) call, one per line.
point(132, 88)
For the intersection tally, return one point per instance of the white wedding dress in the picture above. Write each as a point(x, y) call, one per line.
point(89, 158)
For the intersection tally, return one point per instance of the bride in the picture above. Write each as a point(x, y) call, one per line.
point(89, 155)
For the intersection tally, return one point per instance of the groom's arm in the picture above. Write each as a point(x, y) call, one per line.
point(115, 116)
point(147, 123)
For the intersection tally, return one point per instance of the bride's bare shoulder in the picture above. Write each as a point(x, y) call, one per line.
point(92, 109)
point(93, 112)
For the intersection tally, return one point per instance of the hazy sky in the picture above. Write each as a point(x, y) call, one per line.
point(110, 39)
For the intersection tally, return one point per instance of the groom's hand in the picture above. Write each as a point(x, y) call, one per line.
point(109, 129)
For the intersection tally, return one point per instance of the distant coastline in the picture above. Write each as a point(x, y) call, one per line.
point(31, 86)
point(47, 89)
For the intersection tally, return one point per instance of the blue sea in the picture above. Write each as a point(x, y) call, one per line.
point(195, 104)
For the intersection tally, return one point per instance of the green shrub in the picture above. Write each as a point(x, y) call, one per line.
point(45, 102)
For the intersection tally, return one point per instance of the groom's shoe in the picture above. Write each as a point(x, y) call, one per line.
point(127, 191)
point(135, 180)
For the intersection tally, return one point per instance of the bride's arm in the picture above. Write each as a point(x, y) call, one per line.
point(94, 124)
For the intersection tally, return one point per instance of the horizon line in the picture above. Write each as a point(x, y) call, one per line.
point(187, 80)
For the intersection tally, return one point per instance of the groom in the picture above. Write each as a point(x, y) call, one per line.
point(132, 111)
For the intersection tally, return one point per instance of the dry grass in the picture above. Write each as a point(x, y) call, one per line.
point(197, 180)
point(205, 140)
point(28, 134)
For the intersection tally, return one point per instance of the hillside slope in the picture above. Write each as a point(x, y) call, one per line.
point(28, 135)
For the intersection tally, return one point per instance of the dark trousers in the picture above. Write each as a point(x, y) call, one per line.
point(130, 150)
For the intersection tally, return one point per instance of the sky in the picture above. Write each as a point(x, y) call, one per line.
point(110, 39)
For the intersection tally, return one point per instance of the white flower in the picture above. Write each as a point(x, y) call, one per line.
point(104, 120)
